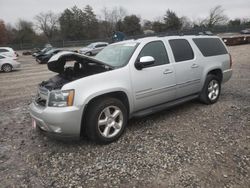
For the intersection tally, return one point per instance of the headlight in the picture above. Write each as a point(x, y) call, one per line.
point(61, 98)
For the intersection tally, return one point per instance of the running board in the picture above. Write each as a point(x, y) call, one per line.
point(164, 106)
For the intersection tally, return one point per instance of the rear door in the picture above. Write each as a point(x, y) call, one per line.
point(154, 84)
point(188, 70)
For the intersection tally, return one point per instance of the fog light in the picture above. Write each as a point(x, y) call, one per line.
point(56, 129)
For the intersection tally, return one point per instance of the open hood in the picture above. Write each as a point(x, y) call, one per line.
point(58, 61)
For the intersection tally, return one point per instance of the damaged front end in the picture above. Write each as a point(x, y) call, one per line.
point(70, 66)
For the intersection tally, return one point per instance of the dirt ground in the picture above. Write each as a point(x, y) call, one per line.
point(192, 145)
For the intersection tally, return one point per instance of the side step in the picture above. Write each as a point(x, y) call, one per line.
point(163, 106)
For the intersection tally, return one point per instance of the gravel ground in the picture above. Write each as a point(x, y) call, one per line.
point(191, 145)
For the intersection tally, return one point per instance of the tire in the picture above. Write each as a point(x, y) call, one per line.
point(211, 90)
point(7, 68)
point(38, 61)
point(105, 120)
point(88, 54)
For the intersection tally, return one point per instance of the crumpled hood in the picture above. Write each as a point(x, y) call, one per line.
point(57, 62)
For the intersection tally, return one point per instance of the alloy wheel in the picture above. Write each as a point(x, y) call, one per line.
point(213, 90)
point(110, 121)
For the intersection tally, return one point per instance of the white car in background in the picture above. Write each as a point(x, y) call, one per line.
point(7, 64)
point(9, 52)
point(93, 48)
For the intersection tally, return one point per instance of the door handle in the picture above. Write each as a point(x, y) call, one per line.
point(194, 66)
point(167, 71)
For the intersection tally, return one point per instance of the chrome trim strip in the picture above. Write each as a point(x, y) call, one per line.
point(154, 92)
point(187, 83)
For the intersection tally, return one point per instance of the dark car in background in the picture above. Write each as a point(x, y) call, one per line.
point(44, 58)
point(42, 52)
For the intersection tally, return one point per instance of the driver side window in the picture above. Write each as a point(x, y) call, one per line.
point(157, 50)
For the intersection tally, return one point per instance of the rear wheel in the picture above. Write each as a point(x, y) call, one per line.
point(106, 119)
point(7, 68)
point(211, 90)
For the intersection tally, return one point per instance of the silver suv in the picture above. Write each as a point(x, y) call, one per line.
point(97, 96)
point(93, 48)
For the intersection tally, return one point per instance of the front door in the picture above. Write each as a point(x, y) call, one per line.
point(156, 83)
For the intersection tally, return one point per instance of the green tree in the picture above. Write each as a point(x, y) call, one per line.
point(131, 25)
point(235, 22)
point(172, 21)
point(72, 24)
point(24, 32)
point(158, 26)
point(3, 33)
point(90, 23)
point(78, 24)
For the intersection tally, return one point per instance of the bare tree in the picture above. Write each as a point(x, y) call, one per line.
point(216, 17)
point(47, 22)
point(111, 17)
point(186, 23)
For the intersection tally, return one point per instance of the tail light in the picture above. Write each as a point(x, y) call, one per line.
point(231, 60)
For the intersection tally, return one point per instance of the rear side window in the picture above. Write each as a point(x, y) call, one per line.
point(210, 46)
point(181, 49)
point(157, 50)
point(101, 45)
point(3, 50)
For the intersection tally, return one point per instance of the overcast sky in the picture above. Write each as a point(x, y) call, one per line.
point(12, 10)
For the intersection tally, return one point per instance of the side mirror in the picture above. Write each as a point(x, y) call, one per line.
point(144, 61)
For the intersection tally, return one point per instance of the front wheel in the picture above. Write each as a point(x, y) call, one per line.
point(7, 68)
point(105, 120)
point(88, 54)
point(211, 90)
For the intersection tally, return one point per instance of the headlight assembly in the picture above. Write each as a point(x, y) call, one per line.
point(60, 98)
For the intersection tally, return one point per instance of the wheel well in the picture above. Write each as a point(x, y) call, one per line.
point(117, 94)
point(216, 72)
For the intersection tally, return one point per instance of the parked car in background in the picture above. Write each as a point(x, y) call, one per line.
point(41, 52)
point(44, 58)
point(93, 48)
point(7, 64)
point(209, 33)
point(245, 31)
point(96, 96)
point(9, 52)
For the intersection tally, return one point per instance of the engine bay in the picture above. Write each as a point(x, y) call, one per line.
point(72, 67)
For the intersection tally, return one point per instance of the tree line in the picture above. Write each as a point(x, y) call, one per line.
point(83, 24)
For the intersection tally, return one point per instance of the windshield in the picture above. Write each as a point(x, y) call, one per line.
point(50, 51)
point(90, 45)
point(44, 50)
point(117, 55)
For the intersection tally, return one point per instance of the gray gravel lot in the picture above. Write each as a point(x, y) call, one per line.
point(191, 145)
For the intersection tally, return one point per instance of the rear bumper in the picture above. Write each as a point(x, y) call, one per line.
point(59, 122)
point(227, 74)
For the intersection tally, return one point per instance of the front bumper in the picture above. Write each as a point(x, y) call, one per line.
point(16, 66)
point(61, 122)
point(227, 74)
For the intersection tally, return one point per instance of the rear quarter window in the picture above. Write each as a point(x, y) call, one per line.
point(181, 49)
point(210, 46)
point(4, 50)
